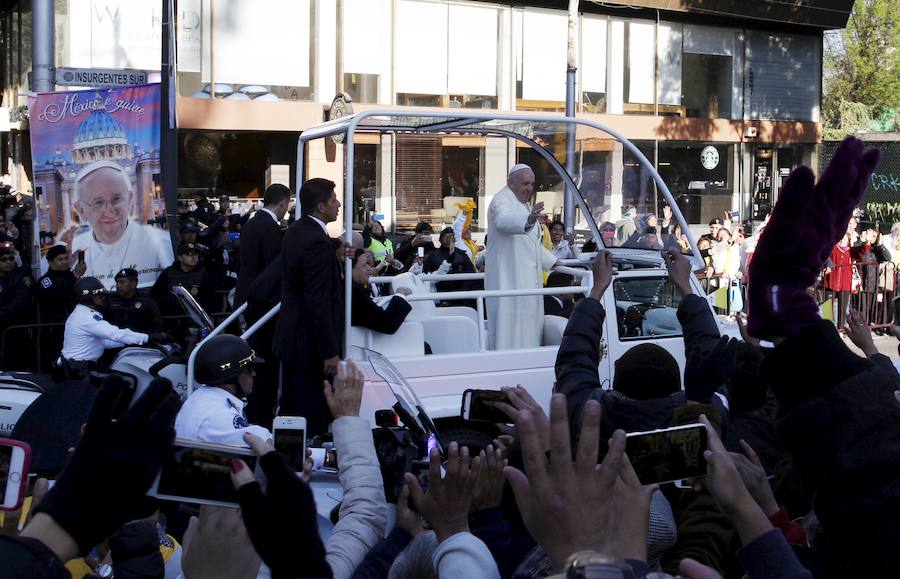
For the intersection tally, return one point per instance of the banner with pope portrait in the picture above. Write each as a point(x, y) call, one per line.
point(95, 156)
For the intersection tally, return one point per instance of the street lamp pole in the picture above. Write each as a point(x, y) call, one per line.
point(571, 69)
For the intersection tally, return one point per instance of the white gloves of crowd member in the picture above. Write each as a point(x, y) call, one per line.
point(415, 268)
point(444, 267)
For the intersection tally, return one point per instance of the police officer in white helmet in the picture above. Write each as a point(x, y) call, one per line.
point(215, 411)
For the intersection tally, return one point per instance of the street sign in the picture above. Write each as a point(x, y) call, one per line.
point(100, 77)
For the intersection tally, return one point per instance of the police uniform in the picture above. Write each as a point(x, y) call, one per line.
point(54, 295)
point(196, 282)
point(139, 313)
point(87, 335)
point(212, 414)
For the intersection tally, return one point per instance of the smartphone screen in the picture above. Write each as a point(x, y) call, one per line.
point(477, 406)
point(667, 455)
point(80, 255)
point(200, 475)
point(292, 444)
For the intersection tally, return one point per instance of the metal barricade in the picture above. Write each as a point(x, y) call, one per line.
point(866, 286)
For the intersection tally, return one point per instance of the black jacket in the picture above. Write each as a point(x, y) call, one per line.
point(140, 313)
point(840, 421)
point(54, 295)
point(577, 377)
point(15, 298)
point(311, 321)
point(459, 263)
point(368, 314)
point(260, 245)
point(24, 557)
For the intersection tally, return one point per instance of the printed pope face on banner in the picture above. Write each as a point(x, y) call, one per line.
point(96, 161)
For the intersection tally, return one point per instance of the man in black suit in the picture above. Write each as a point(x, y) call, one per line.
point(261, 238)
point(310, 330)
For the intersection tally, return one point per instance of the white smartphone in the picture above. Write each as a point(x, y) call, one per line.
point(15, 458)
point(290, 439)
point(421, 251)
point(200, 472)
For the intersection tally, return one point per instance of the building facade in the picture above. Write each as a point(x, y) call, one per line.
point(724, 103)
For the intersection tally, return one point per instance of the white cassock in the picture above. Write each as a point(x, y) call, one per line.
point(142, 247)
point(516, 259)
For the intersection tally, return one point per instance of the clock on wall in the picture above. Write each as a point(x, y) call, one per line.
point(709, 157)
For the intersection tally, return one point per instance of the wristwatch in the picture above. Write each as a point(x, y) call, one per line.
point(104, 570)
point(596, 565)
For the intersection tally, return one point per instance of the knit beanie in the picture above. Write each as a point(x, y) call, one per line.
point(646, 372)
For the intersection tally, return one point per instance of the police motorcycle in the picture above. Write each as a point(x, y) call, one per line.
point(140, 364)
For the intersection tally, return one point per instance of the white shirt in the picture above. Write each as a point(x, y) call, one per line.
point(320, 222)
point(213, 414)
point(87, 334)
point(272, 213)
point(563, 250)
point(142, 247)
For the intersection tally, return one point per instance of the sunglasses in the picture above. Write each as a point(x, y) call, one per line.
point(7, 258)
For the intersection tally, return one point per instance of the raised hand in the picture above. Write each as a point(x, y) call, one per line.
point(445, 507)
point(557, 494)
point(489, 487)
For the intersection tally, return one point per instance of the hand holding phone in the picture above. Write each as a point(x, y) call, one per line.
point(282, 521)
point(15, 458)
point(479, 406)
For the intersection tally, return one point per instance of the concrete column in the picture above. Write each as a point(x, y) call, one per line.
point(43, 46)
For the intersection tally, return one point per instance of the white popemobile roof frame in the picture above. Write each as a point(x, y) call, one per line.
point(520, 127)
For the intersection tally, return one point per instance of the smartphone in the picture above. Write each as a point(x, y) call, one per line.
point(199, 472)
point(15, 458)
point(80, 255)
point(734, 215)
point(421, 251)
point(290, 439)
point(668, 454)
point(477, 405)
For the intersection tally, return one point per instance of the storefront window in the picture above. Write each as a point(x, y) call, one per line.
point(592, 66)
point(221, 41)
point(638, 186)
point(700, 177)
point(539, 50)
point(365, 32)
point(708, 72)
point(365, 182)
point(640, 54)
point(461, 179)
point(451, 62)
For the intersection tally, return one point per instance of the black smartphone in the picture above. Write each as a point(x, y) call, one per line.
point(199, 472)
point(80, 255)
point(668, 454)
point(478, 405)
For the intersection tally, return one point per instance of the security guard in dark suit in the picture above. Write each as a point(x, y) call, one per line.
point(128, 308)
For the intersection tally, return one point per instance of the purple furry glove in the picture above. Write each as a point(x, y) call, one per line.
point(808, 220)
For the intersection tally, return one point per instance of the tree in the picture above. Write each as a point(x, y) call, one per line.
point(862, 61)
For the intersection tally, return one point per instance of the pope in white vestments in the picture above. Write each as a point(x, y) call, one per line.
point(516, 259)
point(104, 198)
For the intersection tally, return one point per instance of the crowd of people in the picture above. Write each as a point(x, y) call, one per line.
point(801, 465)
